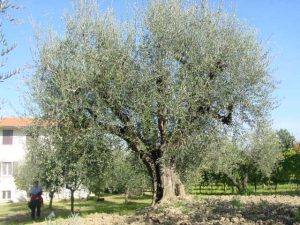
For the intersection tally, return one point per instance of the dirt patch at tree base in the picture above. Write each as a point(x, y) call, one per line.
point(215, 210)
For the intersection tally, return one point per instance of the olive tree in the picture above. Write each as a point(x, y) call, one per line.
point(253, 156)
point(73, 150)
point(163, 83)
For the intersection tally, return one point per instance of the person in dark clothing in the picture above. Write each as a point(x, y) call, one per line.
point(36, 200)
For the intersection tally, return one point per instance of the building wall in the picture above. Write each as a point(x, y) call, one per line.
point(13, 154)
point(9, 155)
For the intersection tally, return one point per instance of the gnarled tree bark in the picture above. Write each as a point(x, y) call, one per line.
point(166, 184)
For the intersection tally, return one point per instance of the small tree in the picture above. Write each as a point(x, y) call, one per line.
point(80, 153)
point(70, 149)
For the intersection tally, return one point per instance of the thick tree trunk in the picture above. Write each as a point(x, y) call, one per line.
point(171, 185)
point(166, 183)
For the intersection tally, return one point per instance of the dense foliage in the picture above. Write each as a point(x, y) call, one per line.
point(289, 168)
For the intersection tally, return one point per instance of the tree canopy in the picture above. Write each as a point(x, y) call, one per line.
point(166, 83)
point(286, 139)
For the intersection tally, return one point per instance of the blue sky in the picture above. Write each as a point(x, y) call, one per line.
point(277, 23)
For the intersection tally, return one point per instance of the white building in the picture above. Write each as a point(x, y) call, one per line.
point(12, 150)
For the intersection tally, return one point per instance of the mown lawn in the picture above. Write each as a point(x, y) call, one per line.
point(19, 213)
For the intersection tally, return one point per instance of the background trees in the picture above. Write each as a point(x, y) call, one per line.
point(167, 85)
point(286, 139)
point(288, 169)
point(250, 158)
point(127, 174)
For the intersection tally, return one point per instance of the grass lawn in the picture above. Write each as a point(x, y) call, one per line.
point(19, 213)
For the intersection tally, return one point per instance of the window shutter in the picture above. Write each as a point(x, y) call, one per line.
point(8, 137)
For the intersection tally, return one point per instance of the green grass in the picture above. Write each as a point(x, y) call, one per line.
point(19, 213)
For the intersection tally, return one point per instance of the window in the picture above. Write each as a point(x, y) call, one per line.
point(6, 194)
point(8, 137)
point(7, 168)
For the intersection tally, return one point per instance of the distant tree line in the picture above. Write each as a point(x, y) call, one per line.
point(263, 163)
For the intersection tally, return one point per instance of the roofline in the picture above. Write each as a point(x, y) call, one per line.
point(15, 122)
